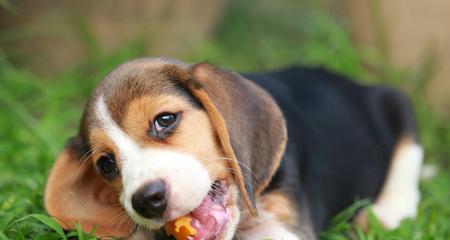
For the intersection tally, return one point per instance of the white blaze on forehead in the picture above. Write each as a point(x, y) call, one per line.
point(188, 182)
point(124, 143)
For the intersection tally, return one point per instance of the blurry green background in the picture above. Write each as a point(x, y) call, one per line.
point(52, 54)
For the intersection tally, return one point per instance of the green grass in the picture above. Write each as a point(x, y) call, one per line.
point(37, 114)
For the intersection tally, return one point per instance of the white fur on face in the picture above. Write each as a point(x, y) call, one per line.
point(187, 181)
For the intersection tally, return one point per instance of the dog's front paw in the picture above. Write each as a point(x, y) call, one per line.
point(273, 231)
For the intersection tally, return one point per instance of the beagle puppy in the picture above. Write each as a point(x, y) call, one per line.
point(261, 156)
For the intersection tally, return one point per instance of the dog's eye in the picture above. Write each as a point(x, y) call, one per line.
point(165, 120)
point(106, 164)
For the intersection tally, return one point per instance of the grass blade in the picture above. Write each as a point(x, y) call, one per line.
point(50, 223)
point(3, 236)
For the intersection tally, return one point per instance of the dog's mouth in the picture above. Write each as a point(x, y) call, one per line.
point(211, 216)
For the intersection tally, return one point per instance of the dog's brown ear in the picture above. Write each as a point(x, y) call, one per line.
point(76, 194)
point(250, 127)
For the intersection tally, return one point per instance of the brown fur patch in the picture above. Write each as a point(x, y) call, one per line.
point(281, 206)
point(100, 143)
point(76, 194)
point(275, 208)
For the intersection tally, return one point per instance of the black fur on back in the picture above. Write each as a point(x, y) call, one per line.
point(341, 136)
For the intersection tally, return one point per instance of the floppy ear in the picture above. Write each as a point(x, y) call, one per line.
point(75, 193)
point(250, 126)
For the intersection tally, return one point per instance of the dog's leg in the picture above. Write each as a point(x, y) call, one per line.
point(277, 220)
point(269, 230)
point(400, 194)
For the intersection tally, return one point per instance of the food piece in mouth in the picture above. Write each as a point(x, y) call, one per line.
point(207, 221)
point(181, 228)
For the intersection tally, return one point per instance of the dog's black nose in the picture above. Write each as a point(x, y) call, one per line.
point(150, 201)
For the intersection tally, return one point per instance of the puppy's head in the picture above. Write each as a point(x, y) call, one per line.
point(160, 139)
